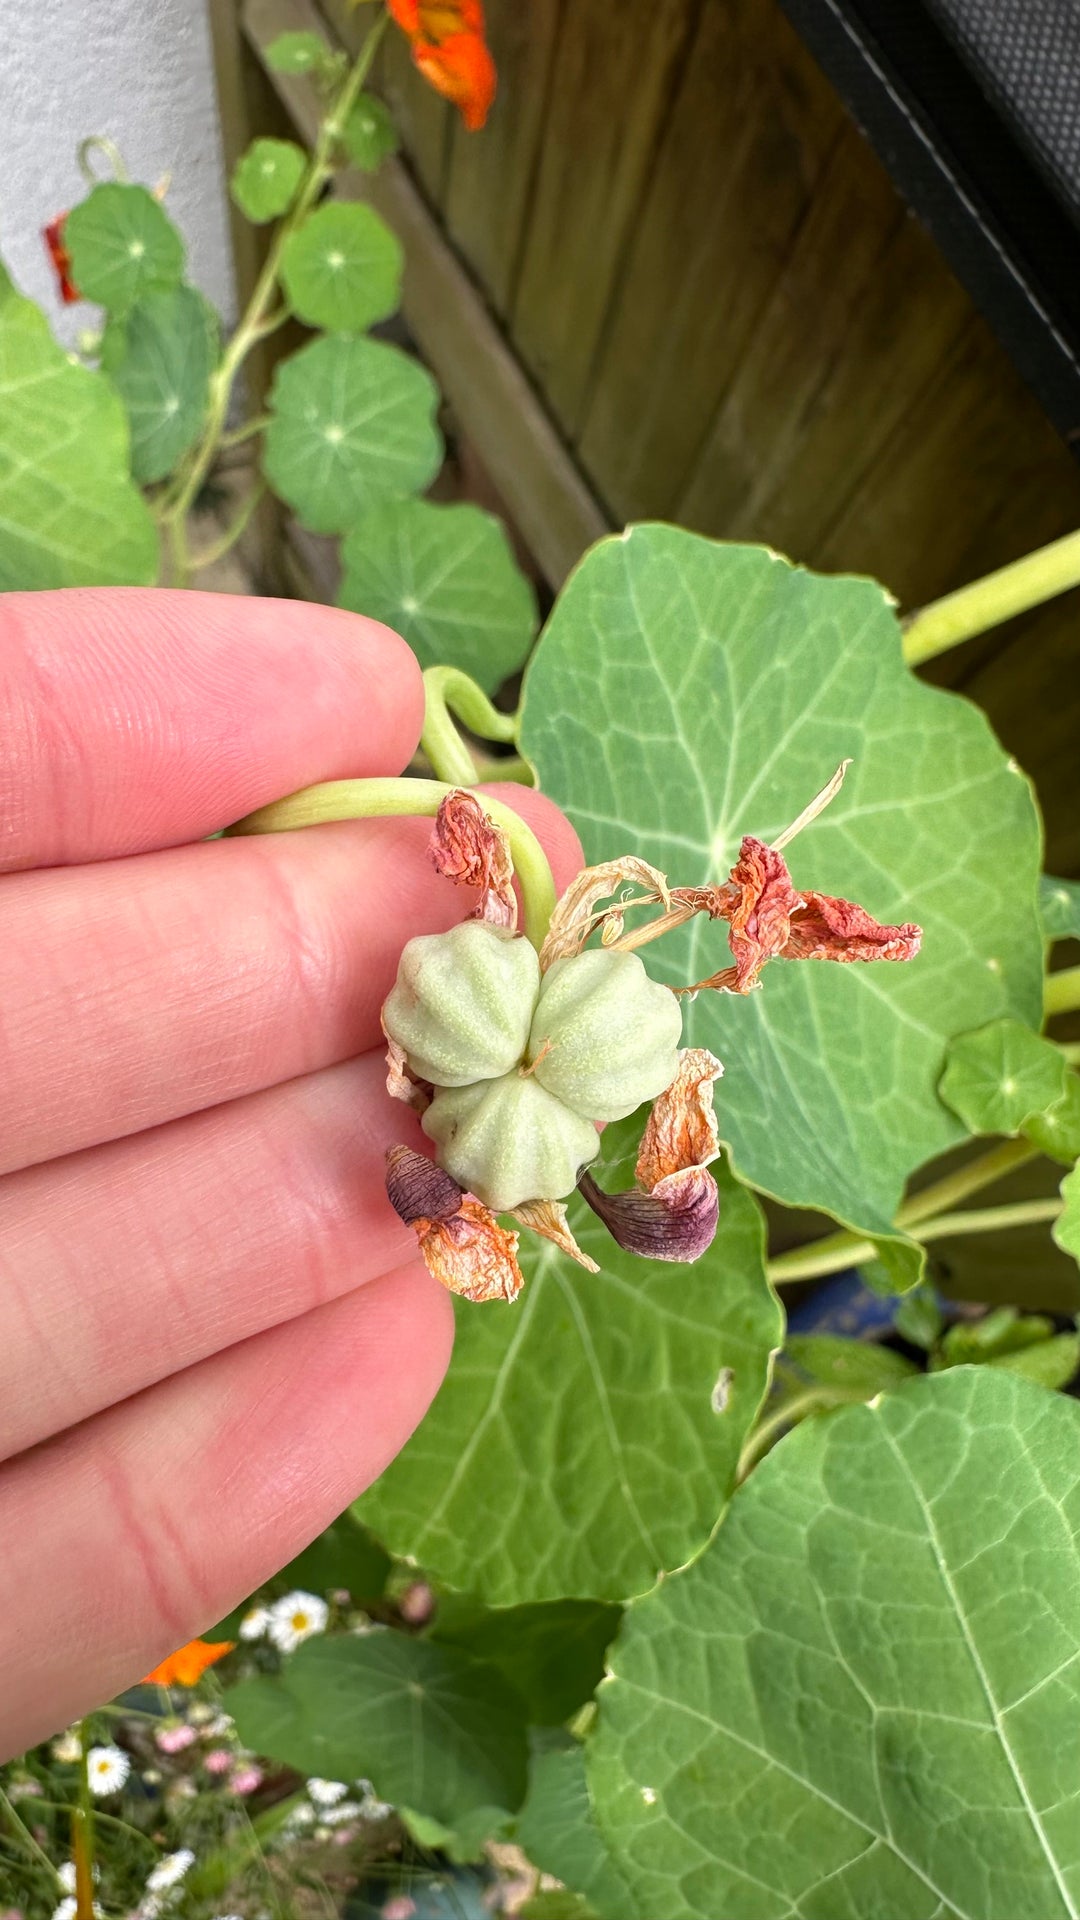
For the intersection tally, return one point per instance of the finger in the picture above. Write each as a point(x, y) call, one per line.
point(136, 991)
point(167, 1247)
point(136, 718)
point(129, 1535)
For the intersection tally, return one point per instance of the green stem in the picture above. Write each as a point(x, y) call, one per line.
point(372, 799)
point(1071, 1051)
point(844, 1250)
point(986, 603)
point(24, 1836)
point(257, 320)
point(812, 1400)
point(1062, 992)
point(219, 548)
point(82, 1832)
point(247, 432)
point(448, 691)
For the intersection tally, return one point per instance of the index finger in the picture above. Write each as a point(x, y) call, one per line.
point(137, 718)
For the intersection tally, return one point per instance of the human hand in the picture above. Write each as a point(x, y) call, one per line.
point(214, 1331)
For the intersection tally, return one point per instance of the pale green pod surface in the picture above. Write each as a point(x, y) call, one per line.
point(462, 1003)
point(507, 1141)
point(605, 1036)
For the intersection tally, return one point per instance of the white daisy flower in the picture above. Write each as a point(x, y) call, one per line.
point(108, 1768)
point(67, 1746)
point(295, 1618)
point(66, 1876)
point(372, 1809)
point(221, 1723)
point(300, 1818)
point(170, 1870)
point(340, 1815)
point(327, 1793)
point(255, 1623)
point(66, 1910)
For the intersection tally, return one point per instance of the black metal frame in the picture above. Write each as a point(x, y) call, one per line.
point(966, 171)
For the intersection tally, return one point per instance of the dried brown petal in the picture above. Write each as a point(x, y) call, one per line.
point(417, 1189)
point(468, 848)
point(828, 929)
point(401, 1082)
point(681, 1129)
point(548, 1218)
point(676, 1221)
point(761, 901)
point(472, 1255)
point(575, 918)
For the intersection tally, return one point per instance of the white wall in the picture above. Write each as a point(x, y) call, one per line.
point(137, 70)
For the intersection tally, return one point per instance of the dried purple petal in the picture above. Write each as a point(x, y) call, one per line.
point(417, 1189)
point(676, 1221)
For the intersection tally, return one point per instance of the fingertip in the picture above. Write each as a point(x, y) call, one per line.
point(550, 825)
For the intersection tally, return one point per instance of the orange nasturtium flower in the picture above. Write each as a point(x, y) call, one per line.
point(451, 51)
point(61, 259)
point(188, 1664)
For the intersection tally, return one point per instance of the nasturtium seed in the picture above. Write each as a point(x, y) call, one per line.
point(508, 1140)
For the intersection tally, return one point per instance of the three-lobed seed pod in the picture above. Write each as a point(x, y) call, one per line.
point(525, 1064)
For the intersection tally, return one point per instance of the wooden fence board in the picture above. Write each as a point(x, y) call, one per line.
point(491, 173)
point(611, 85)
point(751, 127)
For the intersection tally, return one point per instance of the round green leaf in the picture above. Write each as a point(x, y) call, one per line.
point(353, 423)
point(686, 692)
point(552, 1654)
point(1060, 903)
point(430, 1727)
point(161, 370)
point(122, 245)
point(585, 1438)
point(445, 578)
point(297, 53)
point(999, 1076)
point(1066, 1229)
point(69, 513)
point(864, 1698)
point(266, 177)
point(341, 269)
point(557, 1831)
point(369, 134)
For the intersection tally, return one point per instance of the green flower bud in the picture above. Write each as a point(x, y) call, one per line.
point(462, 1003)
point(508, 1140)
point(605, 1036)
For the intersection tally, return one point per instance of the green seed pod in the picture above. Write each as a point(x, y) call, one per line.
point(605, 1036)
point(508, 1140)
point(462, 1003)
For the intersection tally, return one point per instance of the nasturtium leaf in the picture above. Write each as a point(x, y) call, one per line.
point(557, 1831)
point(998, 1076)
point(353, 423)
point(122, 245)
point(446, 579)
point(586, 1437)
point(864, 1697)
point(297, 53)
point(862, 1365)
point(160, 362)
point(70, 514)
point(919, 1319)
point(1050, 1363)
point(341, 268)
point(1066, 1228)
point(552, 1654)
point(430, 1727)
point(1023, 1343)
point(369, 134)
point(1057, 1131)
point(686, 692)
point(266, 177)
point(466, 1840)
point(1059, 901)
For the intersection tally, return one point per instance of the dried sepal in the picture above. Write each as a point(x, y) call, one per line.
point(461, 1242)
point(828, 929)
point(467, 847)
point(575, 918)
point(471, 1255)
point(401, 1082)
point(548, 1219)
point(676, 1221)
point(681, 1129)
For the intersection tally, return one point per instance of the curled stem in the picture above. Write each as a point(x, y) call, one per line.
point(450, 693)
point(372, 799)
point(219, 548)
point(100, 143)
point(987, 602)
